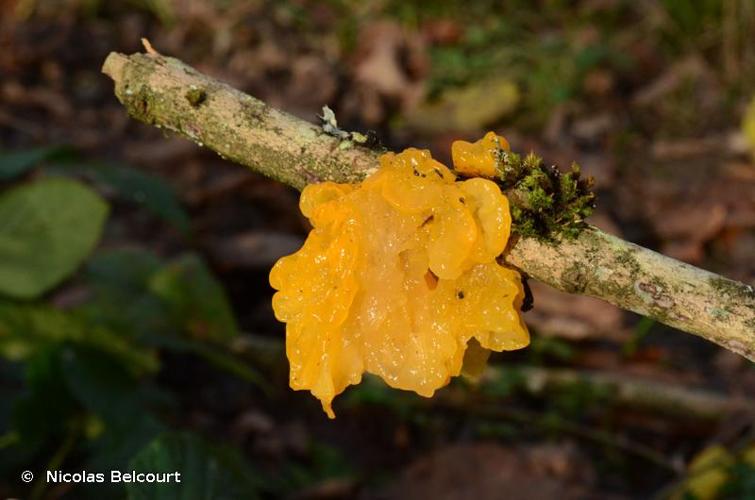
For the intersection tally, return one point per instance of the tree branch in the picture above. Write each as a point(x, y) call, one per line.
point(629, 391)
point(165, 92)
point(613, 389)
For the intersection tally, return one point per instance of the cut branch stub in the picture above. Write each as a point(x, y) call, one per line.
point(164, 92)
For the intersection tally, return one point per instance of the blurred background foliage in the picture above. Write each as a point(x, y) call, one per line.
point(135, 326)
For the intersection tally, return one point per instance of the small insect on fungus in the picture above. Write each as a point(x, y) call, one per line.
point(399, 274)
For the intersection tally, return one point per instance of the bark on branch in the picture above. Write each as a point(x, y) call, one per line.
point(164, 92)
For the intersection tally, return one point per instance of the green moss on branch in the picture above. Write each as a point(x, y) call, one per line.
point(546, 203)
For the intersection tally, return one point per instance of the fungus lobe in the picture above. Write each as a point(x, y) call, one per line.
point(398, 274)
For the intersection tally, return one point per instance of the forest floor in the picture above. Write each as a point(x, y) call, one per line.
point(648, 97)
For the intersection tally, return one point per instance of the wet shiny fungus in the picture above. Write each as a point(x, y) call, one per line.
point(377, 286)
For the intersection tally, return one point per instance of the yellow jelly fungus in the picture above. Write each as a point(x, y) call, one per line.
point(478, 158)
point(396, 276)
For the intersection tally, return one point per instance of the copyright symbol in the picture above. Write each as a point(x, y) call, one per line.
point(27, 476)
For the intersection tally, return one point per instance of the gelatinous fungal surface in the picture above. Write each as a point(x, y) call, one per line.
point(397, 275)
point(479, 158)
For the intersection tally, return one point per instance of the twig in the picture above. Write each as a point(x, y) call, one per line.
point(621, 390)
point(165, 92)
point(628, 391)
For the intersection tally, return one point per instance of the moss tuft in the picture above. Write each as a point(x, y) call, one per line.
point(546, 203)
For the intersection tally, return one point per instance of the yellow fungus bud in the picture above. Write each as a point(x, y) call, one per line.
point(478, 159)
point(395, 278)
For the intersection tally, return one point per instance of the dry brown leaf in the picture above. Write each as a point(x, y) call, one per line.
point(442, 31)
point(312, 83)
point(390, 63)
point(490, 471)
point(574, 317)
point(691, 221)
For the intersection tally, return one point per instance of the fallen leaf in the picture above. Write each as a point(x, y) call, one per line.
point(390, 63)
point(574, 317)
point(486, 470)
point(466, 109)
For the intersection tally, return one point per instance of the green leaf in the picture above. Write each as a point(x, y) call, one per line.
point(207, 472)
point(325, 462)
point(217, 355)
point(108, 389)
point(135, 186)
point(25, 328)
point(197, 301)
point(128, 269)
point(121, 299)
point(12, 376)
point(46, 406)
point(47, 229)
point(15, 163)
point(102, 384)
